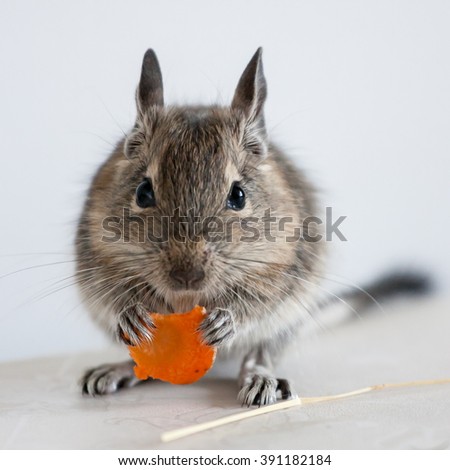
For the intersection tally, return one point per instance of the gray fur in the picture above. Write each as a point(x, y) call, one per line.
point(256, 293)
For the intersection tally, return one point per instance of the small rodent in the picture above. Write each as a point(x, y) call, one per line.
point(179, 167)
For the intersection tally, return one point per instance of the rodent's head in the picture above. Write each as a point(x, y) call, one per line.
point(182, 184)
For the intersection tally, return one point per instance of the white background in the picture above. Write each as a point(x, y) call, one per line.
point(358, 94)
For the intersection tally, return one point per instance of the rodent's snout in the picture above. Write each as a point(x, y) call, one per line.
point(187, 277)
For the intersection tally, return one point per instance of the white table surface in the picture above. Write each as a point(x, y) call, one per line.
point(41, 406)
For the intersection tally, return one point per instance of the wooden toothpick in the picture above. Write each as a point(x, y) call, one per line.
point(189, 430)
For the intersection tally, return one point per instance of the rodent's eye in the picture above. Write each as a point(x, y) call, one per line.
point(145, 197)
point(236, 197)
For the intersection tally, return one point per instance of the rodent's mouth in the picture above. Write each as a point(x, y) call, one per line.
point(183, 301)
point(182, 291)
point(191, 289)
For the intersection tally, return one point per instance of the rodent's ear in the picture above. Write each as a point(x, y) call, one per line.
point(134, 142)
point(150, 89)
point(251, 91)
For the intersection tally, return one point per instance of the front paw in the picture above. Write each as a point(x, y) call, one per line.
point(218, 327)
point(134, 326)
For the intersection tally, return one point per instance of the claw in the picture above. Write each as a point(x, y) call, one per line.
point(134, 326)
point(108, 378)
point(218, 327)
point(261, 390)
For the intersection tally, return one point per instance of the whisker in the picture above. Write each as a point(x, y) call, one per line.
point(111, 116)
point(359, 288)
point(45, 265)
point(268, 263)
point(37, 253)
point(328, 292)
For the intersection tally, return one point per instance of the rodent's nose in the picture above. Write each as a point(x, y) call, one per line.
point(187, 278)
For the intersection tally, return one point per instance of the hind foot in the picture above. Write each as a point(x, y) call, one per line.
point(262, 389)
point(108, 378)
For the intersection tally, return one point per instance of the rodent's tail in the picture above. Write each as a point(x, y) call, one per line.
point(354, 301)
point(393, 284)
